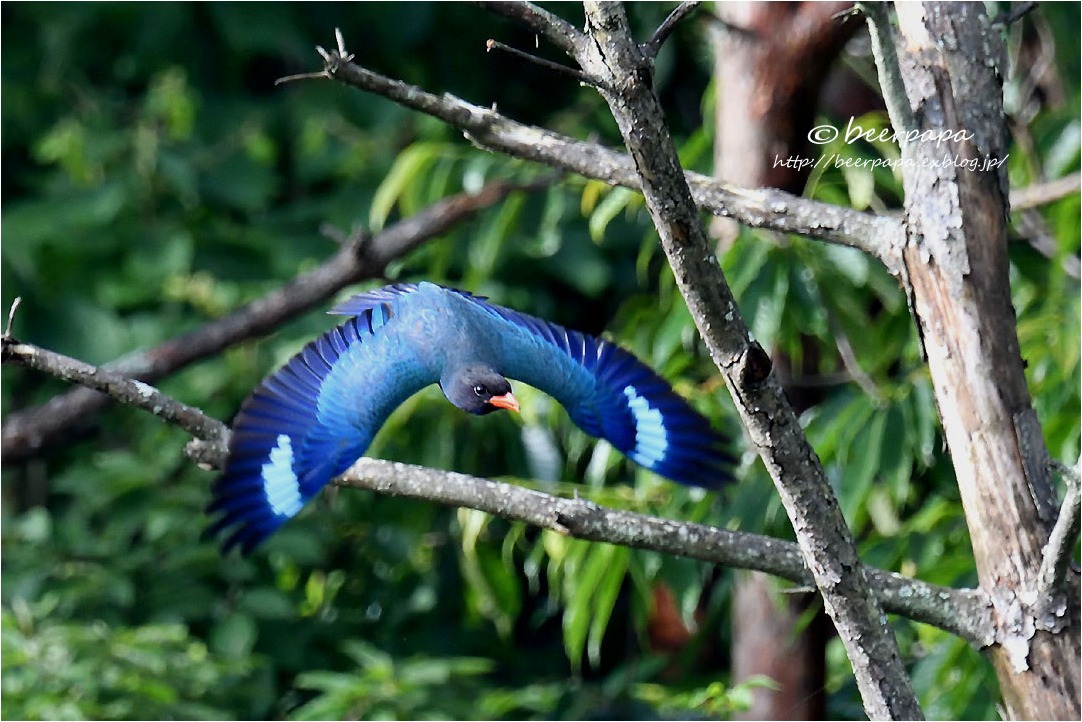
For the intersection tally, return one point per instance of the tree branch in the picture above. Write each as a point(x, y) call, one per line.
point(567, 70)
point(1040, 194)
point(768, 418)
point(890, 74)
point(653, 46)
point(117, 386)
point(952, 63)
point(26, 432)
point(553, 28)
point(879, 236)
point(1059, 551)
point(964, 612)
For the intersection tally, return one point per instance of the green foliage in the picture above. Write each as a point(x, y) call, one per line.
point(714, 701)
point(382, 688)
point(60, 670)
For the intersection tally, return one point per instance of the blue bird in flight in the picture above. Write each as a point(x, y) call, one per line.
point(311, 419)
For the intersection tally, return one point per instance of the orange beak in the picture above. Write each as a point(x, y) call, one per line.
point(507, 401)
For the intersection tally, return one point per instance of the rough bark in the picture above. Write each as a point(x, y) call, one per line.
point(956, 258)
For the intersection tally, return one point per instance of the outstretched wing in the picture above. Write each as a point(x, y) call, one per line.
point(310, 420)
point(611, 394)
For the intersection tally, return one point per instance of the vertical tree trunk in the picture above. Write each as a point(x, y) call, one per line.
point(771, 65)
point(956, 259)
point(769, 69)
point(767, 640)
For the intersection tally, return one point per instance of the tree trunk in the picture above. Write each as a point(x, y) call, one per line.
point(771, 65)
point(768, 639)
point(957, 265)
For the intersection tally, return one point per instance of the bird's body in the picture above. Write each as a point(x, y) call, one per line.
point(311, 419)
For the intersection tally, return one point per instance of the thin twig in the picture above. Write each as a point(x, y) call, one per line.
point(575, 73)
point(302, 76)
point(11, 315)
point(846, 13)
point(964, 612)
point(1059, 551)
point(653, 46)
point(1036, 233)
point(850, 361)
point(1014, 14)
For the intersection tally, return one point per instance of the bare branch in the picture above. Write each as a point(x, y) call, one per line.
point(25, 432)
point(880, 236)
point(555, 29)
point(1059, 550)
point(575, 73)
point(117, 386)
point(1040, 194)
point(962, 612)
point(771, 424)
point(653, 46)
point(890, 75)
point(11, 316)
point(1014, 14)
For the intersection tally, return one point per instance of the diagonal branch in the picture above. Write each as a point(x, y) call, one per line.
point(1059, 551)
point(553, 28)
point(567, 70)
point(890, 75)
point(26, 432)
point(1039, 194)
point(880, 236)
point(963, 612)
point(653, 46)
point(768, 418)
point(115, 385)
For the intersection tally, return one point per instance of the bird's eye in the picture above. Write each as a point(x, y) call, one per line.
point(480, 390)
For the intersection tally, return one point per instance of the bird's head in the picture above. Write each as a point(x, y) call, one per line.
point(479, 390)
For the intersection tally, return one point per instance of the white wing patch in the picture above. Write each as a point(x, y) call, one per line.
point(651, 439)
point(280, 485)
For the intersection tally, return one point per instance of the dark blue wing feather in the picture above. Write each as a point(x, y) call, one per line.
point(611, 394)
point(361, 302)
point(309, 421)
